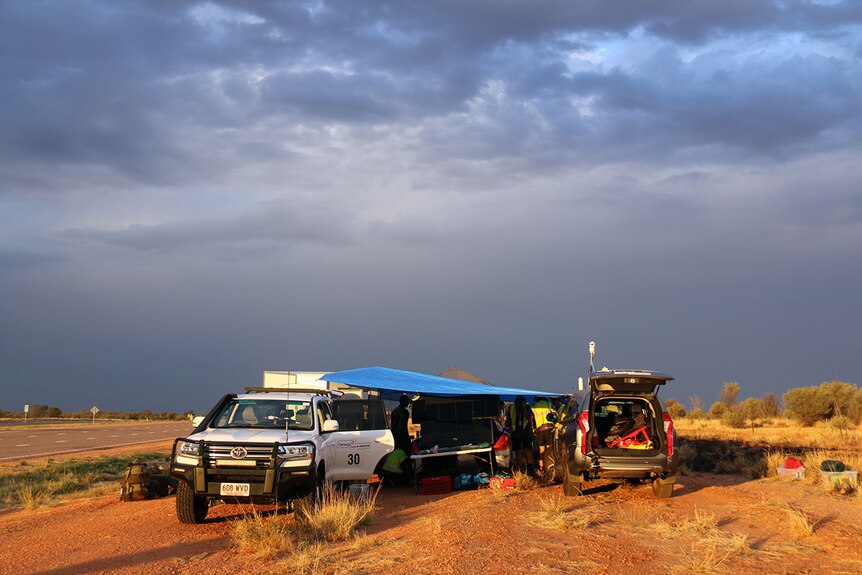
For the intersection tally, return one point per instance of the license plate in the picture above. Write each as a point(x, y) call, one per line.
point(234, 489)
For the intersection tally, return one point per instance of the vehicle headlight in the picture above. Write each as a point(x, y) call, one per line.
point(189, 448)
point(304, 451)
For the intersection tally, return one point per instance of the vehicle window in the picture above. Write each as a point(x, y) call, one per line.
point(266, 413)
point(359, 414)
point(323, 413)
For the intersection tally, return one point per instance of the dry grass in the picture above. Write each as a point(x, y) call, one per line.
point(801, 524)
point(301, 538)
point(711, 546)
point(336, 516)
point(263, 537)
point(32, 497)
point(34, 486)
point(699, 561)
point(779, 432)
point(560, 514)
point(524, 482)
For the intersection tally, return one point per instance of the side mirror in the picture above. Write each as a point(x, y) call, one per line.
point(196, 420)
point(552, 417)
point(330, 425)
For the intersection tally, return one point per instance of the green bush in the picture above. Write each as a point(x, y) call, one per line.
point(734, 418)
point(771, 405)
point(808, 405)
point(718, 410)
point(840, 422)
point(728, 393)
point(751, 409)
point(674, 408)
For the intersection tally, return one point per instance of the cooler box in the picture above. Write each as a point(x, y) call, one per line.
point(436, 485)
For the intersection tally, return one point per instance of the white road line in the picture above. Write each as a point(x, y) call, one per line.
point(151, 432)
point(134, 434)
point(23, 445)
point(32, 436)
point(61, 441)
point(114, 436)
point(61, 433)
point(89, 438)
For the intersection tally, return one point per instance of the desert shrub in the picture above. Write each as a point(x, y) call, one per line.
point(734, 418)
point(696, 413)
point(854, 411)
point(674, 408)
point(718, 410)
point(840, 422)
point(771, 405)
point(729, 391)
point(751, 409)
point(840, 396)
point(808, 405)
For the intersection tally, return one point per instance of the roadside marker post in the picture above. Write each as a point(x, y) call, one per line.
point(94, 410)
point(26, 411)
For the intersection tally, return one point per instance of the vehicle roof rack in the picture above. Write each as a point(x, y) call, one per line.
point(314, 390)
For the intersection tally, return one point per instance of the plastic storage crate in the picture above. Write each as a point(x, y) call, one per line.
point(840, 481)
point(796, 473)
point(436, 485)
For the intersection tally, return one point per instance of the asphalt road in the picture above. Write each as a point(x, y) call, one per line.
point(25, 442)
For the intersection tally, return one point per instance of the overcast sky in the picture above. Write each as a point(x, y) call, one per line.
point(193, 193)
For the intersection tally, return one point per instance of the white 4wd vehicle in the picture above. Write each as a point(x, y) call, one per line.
point(270, 445)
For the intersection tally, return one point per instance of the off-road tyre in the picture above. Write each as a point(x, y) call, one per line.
point(663, 488)
point(571, 483)
point(191, 508)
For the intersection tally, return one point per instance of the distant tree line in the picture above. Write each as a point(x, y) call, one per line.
point(838, 402)
point(41, 411)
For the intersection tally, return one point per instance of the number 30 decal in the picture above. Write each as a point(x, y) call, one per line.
point(352, 459)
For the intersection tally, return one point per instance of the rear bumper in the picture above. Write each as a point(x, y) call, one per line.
point(621, 467)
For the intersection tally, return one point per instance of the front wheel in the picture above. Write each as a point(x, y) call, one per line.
point(663, 488)
point(191, 508)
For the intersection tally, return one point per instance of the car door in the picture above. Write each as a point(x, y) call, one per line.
point(363, 438)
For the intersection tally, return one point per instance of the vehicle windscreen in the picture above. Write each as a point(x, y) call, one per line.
point(266, 414)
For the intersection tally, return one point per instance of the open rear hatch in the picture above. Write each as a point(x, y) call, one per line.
point(627, 381)
point(626, 421)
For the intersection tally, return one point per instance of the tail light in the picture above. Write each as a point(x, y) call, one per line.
point(668, 430)
point(584, 424)
point(503, 443)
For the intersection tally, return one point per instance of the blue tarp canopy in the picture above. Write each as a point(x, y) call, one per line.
point(395, 381)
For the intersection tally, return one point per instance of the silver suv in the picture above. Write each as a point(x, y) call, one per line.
point(618, 429)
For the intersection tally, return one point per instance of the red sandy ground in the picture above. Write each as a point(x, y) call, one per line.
point(468, 532)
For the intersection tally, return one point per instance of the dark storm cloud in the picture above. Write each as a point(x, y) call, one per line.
point(277, 222)
point(17, 260)
point(192, 192)
point(154, 90)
